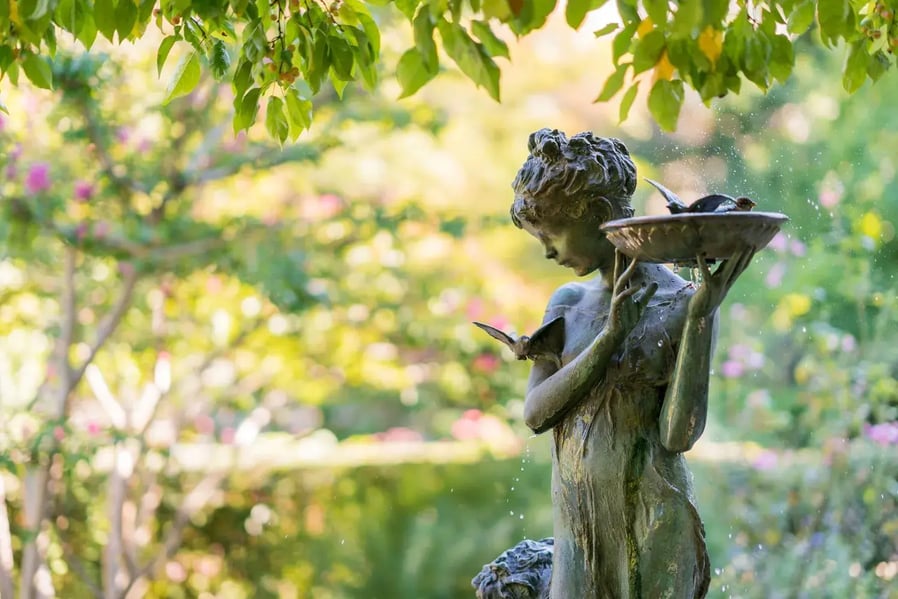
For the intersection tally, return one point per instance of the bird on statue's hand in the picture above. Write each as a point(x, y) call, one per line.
point(714, 203)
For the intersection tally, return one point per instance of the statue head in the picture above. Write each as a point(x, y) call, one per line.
point(584, 177)
point(567, 189)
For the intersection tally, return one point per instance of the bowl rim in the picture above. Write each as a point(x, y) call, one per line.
point(661, 219)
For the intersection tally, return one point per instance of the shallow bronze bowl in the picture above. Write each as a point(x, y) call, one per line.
point(679, 238)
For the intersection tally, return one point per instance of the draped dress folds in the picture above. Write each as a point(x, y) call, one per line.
point(626, 526)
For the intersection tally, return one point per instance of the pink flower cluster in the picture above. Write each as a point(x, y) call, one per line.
point(884, 433)
point(741, 358)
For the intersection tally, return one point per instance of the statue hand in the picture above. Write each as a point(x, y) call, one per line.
point(715, 286)
point(626, 306)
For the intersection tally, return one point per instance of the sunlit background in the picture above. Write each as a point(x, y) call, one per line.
point(293, 401)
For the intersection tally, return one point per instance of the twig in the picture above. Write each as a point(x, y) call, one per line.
point(6, 560)
point(109, 324)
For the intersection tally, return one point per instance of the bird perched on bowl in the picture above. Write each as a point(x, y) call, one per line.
point(714, 203)
point(546, 343)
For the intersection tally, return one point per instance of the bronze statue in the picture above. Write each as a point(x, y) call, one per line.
point(629, 394)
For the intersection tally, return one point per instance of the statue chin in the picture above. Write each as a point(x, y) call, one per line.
point(522, 572)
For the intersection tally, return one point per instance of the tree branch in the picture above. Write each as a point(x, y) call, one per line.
point(7, 588)
point(109, 324)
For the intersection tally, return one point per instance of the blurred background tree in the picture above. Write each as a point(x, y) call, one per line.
point(232, 368)
point(286, 50)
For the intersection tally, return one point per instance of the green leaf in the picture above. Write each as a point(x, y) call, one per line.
point(341, 57)
point(413, 72)
point(245, 109)
point(275, 120)
point(576, 10)
point(493, 45)
point(614, 83)
point(104, 17)
point(622, 41)
point(125, 18)
point(687, 17)
point(299, 113)
point(648, 51)
point(801, 18)
point(877, 66)
point(610, 27)
point(833, 16)
point(407, 7)
point(782, 58)
point(854, 73)
point(470, 57)
point(38, 71)
point(657, 11)
point(532, 15)
point(627, 102)
point(185, 78)
point(219, 59)
point(665, 102)
point(423, 29)
point(164, 48)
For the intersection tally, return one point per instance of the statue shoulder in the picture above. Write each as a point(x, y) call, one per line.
point(566, 296)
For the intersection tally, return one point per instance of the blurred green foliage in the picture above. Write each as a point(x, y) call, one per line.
point(294, 362)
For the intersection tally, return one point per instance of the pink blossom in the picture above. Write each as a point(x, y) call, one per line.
point(848, 343)
point(83, 191)
point(766, 460)
point(474, 309)
point(2, 123)
point(739, 352)
point(755, 360)
point(122, 134)
point(779, 242)
point(829, 198)
point(101, 229)
point(93, 428)
point(227, 435)
point(486, 363)
point(81, 231)
point(204, 424)
point(329, 205)
point(468, 426)
point(11, 171)
point(126, 269)
point(399, 434)
point(798, 248)
point(38, 178)
point(732, 369)
point(884, 433)
point(775, 275)
point(59, 433)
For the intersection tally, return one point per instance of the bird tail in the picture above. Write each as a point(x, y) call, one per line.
point(674, 203)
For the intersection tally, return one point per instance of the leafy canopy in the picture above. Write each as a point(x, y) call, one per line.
point(281, 52)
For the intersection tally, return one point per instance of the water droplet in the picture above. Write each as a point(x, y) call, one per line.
point(342, 541)
point(512, 488)
point(511, 513)
point(521, 517)
point(718, 571)
point(660, 342)
point(760, 547)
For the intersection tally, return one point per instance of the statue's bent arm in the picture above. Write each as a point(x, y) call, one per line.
point(552, 391)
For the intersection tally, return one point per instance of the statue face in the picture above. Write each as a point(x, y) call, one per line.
point(577, 244)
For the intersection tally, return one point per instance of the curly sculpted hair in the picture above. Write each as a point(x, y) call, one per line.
point(584, 177)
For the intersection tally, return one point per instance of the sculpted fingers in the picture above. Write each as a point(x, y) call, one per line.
point(647, 296)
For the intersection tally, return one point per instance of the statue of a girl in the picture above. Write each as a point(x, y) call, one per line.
point(631, 392)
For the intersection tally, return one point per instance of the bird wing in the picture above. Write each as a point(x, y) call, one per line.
point(674, 203)
point(548, 340)
point(497, 334)
point(715, 202)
